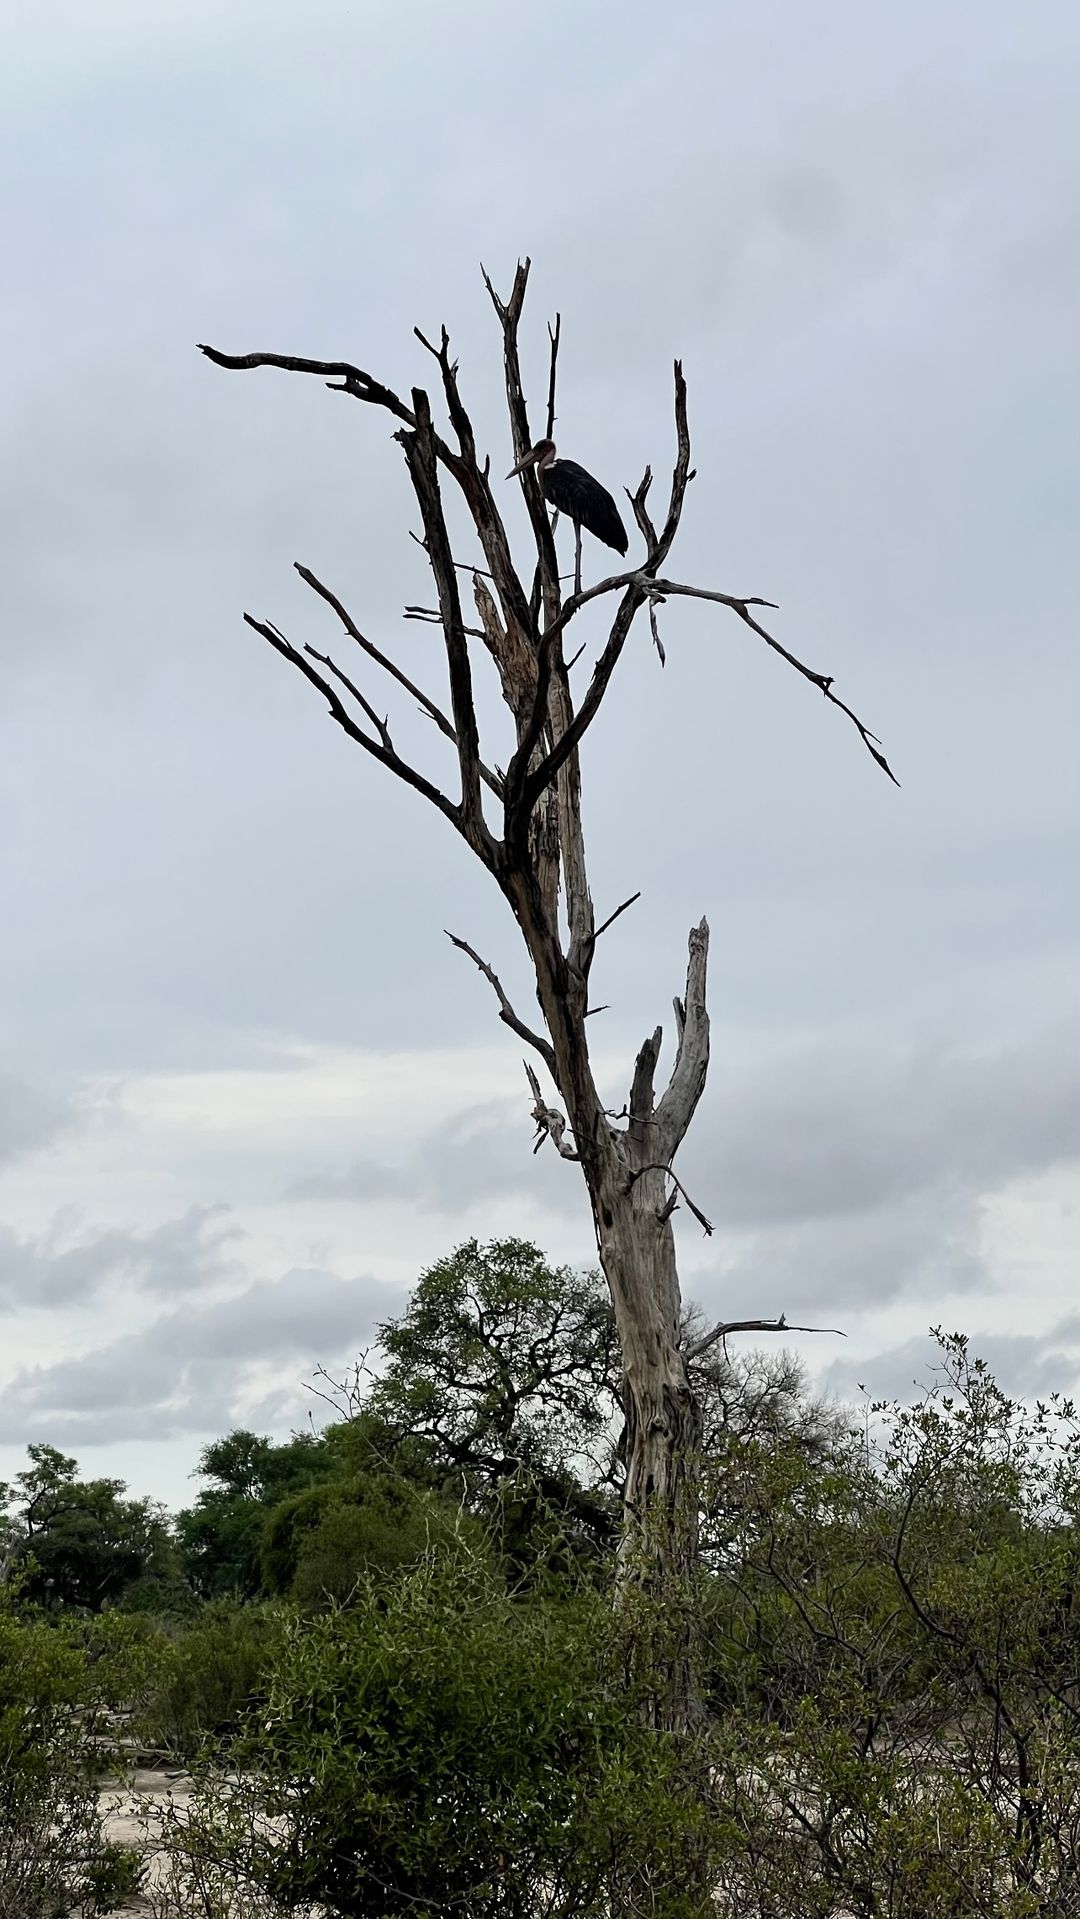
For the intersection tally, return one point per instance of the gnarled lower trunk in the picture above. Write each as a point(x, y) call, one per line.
point(658, 1551)
point(628, 1173)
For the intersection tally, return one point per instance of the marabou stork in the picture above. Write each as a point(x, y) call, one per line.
point(574, 492)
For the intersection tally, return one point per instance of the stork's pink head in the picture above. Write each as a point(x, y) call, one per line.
point(539, 456)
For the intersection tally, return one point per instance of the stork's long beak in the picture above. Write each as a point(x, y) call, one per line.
point(522, 464)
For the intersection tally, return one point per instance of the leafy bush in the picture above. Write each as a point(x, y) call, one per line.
point(321, 1542)
point(438, 1745)
point(209, 1675)
point(895, 1663)
point(220, 1537)
point(56, 1699)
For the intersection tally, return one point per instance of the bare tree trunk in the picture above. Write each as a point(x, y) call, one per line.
point(534, 847)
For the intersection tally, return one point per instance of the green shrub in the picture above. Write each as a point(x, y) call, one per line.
point(320, 1542)
point(57, 1694)
point(210, 1673)
point(437, 1746)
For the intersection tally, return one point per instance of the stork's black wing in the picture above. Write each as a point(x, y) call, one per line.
point(585, 501)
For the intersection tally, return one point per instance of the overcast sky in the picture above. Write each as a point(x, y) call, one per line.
point(247, 1090)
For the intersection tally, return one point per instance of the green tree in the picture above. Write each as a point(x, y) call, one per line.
point(220, 1536)
point(321, 1544)
point(79, 1543)
point(504, 1372)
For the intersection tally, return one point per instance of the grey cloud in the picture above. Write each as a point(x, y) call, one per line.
point(837, 1177)
point(153, 497)
point(832, 1130)
point(1026, 1365)
point(483, 1152)
point(180, 1256)
point(185, 1372)
point(363, 1179)
point(874, 286)
point(922, 1247)
point(846, 1180)
point(30, 1117)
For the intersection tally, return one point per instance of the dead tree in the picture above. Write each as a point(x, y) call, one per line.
point(525, 824)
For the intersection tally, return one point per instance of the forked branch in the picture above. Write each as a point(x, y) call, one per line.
point(421, 457)
point(701, 1346)
point(343, 718)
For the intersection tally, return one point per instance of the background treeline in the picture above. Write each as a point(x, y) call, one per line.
point(389, 1651)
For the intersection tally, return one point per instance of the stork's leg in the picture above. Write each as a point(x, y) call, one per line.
point(577, 557)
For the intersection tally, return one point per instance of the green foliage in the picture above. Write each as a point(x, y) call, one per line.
point(442, 1711)
point(209, 1676)
point(438, 1745)
point(498, 1353)
point(321, 1542)
point(220, 1536)
point(502, 1377)
point(78, 1544)
point(59, 1690)
point(896, 1661)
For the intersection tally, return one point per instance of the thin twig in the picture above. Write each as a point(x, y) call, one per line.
point(654, 600)
point(823, 681)
point(636, 588)
point(427, 705)
point(462, 566)
point(434, 618)
point(641, 512)
point(680, 478)
point(506, 1011)
point(353, 378)
point(393, 761)
point(612, 917)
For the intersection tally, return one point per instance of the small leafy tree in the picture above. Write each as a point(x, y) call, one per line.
point(897, 1659)
point(505, 1370)
point(79, 1543)
point(501, 1358)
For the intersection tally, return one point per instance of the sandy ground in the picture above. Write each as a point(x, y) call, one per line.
point(132, 1810)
